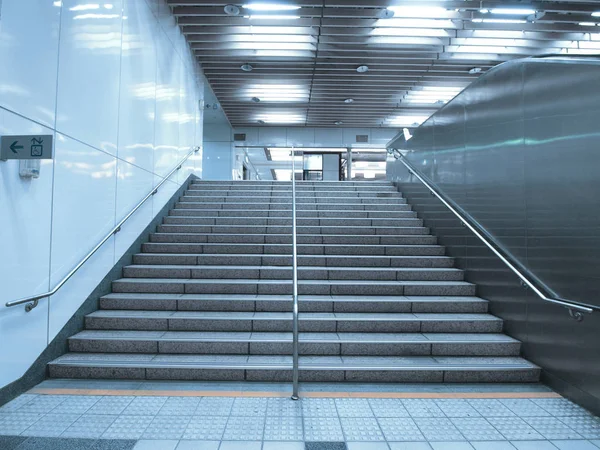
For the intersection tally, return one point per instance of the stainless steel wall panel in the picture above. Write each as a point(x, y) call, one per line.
point(519, 152)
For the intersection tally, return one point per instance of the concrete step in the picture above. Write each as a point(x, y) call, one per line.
point(408, 236)
point(322, 322)
point(280, 343)
point(300, 221)
point(288, 193)
point(420, 246)
point(404, 226)
point(276, 200)
point(283, 303)
point(416, 369)
point(305, 287)
point(287, 213)
point(302, 206)
point(242, 259)
point(261, 272)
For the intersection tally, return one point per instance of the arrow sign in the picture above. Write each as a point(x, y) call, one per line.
point(36, 146)
point(14, 147)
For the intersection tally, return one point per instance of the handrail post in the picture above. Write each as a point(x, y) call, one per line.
point(295, 344)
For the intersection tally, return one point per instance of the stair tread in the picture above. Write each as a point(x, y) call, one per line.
point(265, 267)
point(233, 336)
point(301, 298)
point(314, 282)
point(249, 255)
point(279, 362)
point(250, 315)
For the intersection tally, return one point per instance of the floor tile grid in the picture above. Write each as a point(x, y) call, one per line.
point(347, 412)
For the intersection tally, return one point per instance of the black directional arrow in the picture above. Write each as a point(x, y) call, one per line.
point(14, 147)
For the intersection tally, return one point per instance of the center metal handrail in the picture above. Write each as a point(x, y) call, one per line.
point(33, 300)
point(295, 344)
point(575, 310)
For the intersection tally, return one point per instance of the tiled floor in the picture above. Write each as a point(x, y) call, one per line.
point(224, 420)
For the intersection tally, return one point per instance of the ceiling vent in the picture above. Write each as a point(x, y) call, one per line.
point(239, 137)
point(362, 138)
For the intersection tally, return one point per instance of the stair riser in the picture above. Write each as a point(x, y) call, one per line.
point(299, 188)
point(230, 374)
point(286, 306)
point(408, 250)
point(275, 201)
point(246, 206)
point(286, 288)
point(303, 261)
point(414, 236)
point(285, 273)
point(398, 212)
point(285, 325)
point(256, 221)
point(285, 348)
point(301, 229)
point(288, 193)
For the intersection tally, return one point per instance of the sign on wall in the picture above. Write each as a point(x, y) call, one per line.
point(26, 147)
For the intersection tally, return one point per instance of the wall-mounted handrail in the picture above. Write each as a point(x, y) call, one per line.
point(295, 344)
point(575, 310)
point(33, 301)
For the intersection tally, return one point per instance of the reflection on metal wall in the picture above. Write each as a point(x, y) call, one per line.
point(519, 151)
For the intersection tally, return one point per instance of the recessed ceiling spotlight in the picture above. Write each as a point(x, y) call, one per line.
point(362, 69)
point(386, 14)
point(339, 122)
point(262, 122)
point(232, 10)
point(349, 100)
point(246, 67)
point(256, 99)
point(475, 70)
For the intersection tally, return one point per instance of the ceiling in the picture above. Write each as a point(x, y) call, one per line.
point(304, 60)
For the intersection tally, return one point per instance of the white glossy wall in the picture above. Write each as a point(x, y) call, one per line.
point(119, 89)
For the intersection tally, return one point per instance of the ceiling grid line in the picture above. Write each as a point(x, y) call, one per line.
point(420, 53)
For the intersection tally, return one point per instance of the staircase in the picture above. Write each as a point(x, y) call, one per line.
point(209, 297)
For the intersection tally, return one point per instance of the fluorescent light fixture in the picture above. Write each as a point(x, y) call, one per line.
point(281, 117)
point(484, 11)
point(409, 32)
point(273, 17)
point(408, 121)
point(57, 3)
point(596, 14)
point(407, 135)
point(415, 23)
point(273, 46)
point(587, 24)
point(96, 16)
point(418, 11)
point(499, 21)
point(85, 7)
point(270, 7)
point(108, 6)
point(475, 70)
point(513, 11)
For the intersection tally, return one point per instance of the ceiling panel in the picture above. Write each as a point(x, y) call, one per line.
point(304, 54)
